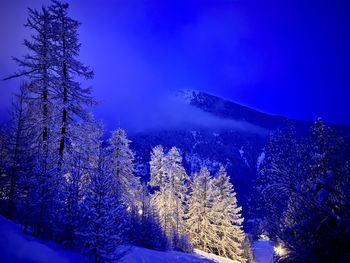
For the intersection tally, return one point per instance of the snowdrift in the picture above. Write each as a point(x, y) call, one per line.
point(18, 247)
point(143, 255)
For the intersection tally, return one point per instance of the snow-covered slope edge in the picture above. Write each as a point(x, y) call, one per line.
point(216, 258)
point(15, 246)
point(138, 254)
point(18, 247)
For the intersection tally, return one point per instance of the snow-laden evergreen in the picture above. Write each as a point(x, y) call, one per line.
point(177, 194)
point(201, 217)
point(280, 172)
point(121, 166)
point(55, 103)
point(146, 230)
point(36, 68)
point(71, 99)
point(170, 180)
point(103, 225)
point(214, 221)
point(157, 168)
point(75, 185)
point(228, 218)
point(159, 180)
point(16, 154)
point(303, 185)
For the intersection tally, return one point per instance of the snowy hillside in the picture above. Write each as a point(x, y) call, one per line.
point(18, 247)
point(138, 254)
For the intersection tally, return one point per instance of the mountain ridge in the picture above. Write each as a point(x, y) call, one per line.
point(194, 98)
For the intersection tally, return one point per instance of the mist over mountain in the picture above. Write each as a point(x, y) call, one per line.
point(210, 131)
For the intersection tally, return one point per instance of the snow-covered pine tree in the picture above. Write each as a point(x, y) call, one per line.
point(147, 230)
point(37, 69)
point(159, 181)
point(201, 230)
point(3, 148)
point(315, 212)
point(228, 218)
point(17, 148)
point(325, 146)
point(304, 197)
point(157, 168)
point(71, 98)
point(169, 179)
point(121, 165)
point(74, 185)
point(177, 193)
point(280, 173)
point(3, 168)
point(103, 227)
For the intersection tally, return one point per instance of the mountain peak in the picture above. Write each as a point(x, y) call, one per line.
point(227, 109)
point(187, 95)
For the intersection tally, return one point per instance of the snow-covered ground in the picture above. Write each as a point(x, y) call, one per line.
point(263, 251)
point(143, 255)
point(17, 247)
point(20, 248)
point(216, 258)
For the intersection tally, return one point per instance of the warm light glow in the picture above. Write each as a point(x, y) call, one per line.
point(140, 212)
point(280, 250)
point(264, 237)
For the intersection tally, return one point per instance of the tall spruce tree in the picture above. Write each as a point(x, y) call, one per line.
point(17, 146)
point(200, 223)
point(146, 229)
point(74, 185)
point(157, 167)
point(169, 179)
point(228, 218)
point(72, 99)
point(159, 180)
point(104, 215)
point(177, 190)
point(279, 174)
point(37, 68)
point(121, 165)
point(3, 168)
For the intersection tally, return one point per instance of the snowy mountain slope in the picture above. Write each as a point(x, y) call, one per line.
point(143, 255)
point(230, 110)
point(18, 247)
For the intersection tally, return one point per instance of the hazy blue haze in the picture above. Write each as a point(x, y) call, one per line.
point(282, 57)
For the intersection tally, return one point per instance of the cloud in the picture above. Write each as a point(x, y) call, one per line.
point(171, 112)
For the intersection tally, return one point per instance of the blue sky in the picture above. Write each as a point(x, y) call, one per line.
point(282, 57)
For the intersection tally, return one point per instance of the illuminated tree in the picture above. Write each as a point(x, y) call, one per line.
point(228, 219)
point(200, 223)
